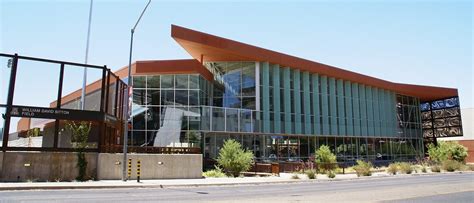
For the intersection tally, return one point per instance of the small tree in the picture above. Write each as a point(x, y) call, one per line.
point(447, 150)
point(325, 158)
point(234, 159)
point(80, 133)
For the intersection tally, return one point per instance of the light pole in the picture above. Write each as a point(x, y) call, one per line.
point(129, 104)
point(84, 79)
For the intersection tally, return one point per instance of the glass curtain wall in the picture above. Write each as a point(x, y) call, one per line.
point(166, 110)
point(234, 84)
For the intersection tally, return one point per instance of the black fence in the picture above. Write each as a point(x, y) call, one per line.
point(40, 96)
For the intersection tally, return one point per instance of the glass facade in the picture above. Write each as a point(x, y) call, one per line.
point(280, 113)
point(166, 110)
point(234, 84)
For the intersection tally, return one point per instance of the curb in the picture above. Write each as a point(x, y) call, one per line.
point(54, 187)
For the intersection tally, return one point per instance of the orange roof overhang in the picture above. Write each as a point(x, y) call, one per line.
point(205, 47)
point(152, 67)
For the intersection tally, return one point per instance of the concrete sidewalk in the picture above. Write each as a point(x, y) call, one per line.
point(284, 178)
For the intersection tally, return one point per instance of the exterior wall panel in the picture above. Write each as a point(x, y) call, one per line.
point(370, 111)
point(333, 105)
point(287, 99)
point(316, 104)
point(356, 109)
point(297, 100)
point(363, 110)
point(307, 104)
point(325, 105)
point(266, 96)
point(348, 100)
point(376, 112)
point(276, 97)
point(340, 107)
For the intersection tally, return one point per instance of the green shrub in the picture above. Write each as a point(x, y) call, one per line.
point(214, 173)
point(405, 167)
point(233, 159)
point(435, 169)
point(311, 174)
point(363, 168)
point(325, 159)
point(423, 169)
point(451, 165)
point(471, 167)
point(295, 176)
point(331, 174)
point(447, 150)
point(392, 168)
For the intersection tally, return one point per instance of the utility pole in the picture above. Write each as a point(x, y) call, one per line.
point(129, 103)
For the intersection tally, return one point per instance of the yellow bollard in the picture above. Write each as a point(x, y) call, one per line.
point(138, 171)
point(129, 169)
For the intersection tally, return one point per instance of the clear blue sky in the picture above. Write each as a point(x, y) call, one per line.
point(419, 42)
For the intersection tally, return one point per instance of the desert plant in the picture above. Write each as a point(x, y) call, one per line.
point(80, 133)
point(447, 150)
point(470, 166)
point(331, 174)
point(405, 167)
point(423, 169)
point(451, 165)
point(325, 159)
point(363, 168)
point(435, 168)
point(311, 174)
point(214, 173)
point(295, 176)
point(392, 168)
point(233, 159)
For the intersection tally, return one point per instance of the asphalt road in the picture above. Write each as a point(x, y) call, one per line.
point(432, 188)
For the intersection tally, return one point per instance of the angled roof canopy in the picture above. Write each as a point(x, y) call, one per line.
point(205, 47)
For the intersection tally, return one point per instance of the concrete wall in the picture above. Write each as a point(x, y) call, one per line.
point(1, 162)
point(173, 166)
point(44, 166)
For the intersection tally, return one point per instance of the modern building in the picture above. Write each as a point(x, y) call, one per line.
point(279, 106)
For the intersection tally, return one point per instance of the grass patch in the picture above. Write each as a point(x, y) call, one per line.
point(451, 165)
point(363, 168)
point(392, 168)
point(214, 173)
point(311, 174)
point(295, 176)
point(331, 174)
point(435, 169)
point(405, 167)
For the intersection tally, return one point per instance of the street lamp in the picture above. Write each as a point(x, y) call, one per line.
point(129, 104)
